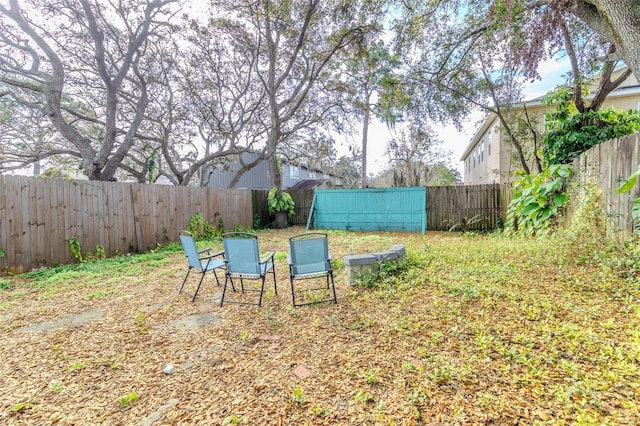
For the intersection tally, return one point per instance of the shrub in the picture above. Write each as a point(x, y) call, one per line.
point(280, 203)
point(570, 133)
point(537, 199)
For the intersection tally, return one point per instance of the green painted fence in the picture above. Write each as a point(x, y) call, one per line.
point(384, 209)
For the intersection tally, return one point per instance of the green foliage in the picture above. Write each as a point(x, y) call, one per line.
point(232, 420)
point(627, 186)
point(76, 249)
point(570, 133)
point(128, 399)
point(297, 396)
point(537, 200)
point(55, 173)
point(20, 407)
point(100, 254)
point(387, 274)
point(280, 201)
point(203, 230)
point(320, 411)
point(363, 397)
point(152, 167)
point(256, 221)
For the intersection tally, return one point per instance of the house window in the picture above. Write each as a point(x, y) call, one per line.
point(312, 175)
point(474, 159)
point(482, 150)
point(489, 137)
point(294, 172)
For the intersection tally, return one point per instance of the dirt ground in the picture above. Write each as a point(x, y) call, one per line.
point(82, 359)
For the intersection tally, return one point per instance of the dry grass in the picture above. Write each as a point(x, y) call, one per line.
point(478, 330)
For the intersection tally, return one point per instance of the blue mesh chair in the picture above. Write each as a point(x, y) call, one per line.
point(309, 258)
point(201, 260)
point(243, 261)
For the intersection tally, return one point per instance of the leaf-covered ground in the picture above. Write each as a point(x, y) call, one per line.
point(475, 330)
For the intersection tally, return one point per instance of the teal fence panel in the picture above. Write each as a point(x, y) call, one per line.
point(384, 209)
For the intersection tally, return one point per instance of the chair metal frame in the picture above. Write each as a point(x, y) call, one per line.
point(294, 263)
point(196, 260)
point(257, 268)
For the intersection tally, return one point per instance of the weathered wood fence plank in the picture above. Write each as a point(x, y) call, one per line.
point(38, 217)
point(472, 207)
point(606, 166)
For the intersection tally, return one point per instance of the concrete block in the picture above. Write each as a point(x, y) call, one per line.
point(360, 267)
point(399, 248)
point(386, 255)
point(359, 259)
point(356, 273)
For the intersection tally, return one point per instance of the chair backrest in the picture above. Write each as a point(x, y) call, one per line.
point(241, 253)
point(190, 250)
point(309, 253)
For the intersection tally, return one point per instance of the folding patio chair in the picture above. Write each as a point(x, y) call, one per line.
point(242, 260)
point(200, 260)
point(309, 258)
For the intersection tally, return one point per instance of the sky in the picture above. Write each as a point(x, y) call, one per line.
point(551, 72)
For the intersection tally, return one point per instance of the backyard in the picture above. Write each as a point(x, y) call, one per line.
point(472, 329)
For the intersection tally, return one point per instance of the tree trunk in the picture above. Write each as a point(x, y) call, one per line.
point(281, 220)
point(615, 21)
point(365, 136)
point(275, 174)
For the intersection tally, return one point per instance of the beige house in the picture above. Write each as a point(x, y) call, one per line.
point(490, 157)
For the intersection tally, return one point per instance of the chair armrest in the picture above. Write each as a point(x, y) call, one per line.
point(267, 257)
point(211, 256)
point(207, 250)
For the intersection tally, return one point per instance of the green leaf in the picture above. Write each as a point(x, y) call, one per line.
point(560, 199)
point(628, 184)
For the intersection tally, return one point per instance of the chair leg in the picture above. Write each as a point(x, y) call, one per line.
point(224, 289)
point(275, 285)
point(195, 293)
point(333, 285)
point(293, 292)
point(216, 275)
point(261, 290)
point(185, 280)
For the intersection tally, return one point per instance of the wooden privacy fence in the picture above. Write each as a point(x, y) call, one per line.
point(38, 217)
point(606, 166)
point(446, 206)
point(302, 198)
point(470, 207)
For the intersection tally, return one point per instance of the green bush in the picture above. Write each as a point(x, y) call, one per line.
point(570, 133)
point(280, 203)
point(203, 230)
point(537, 199)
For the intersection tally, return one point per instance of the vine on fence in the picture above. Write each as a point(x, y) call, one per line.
point(76, 249)
point(203, 230)
point(627, 186)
